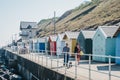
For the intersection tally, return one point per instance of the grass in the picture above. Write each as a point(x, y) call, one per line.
point(105, 11)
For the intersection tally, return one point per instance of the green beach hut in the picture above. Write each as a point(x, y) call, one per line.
point(85, 41)
point(104, 43)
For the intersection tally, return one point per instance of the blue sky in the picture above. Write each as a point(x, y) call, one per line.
point(14, 11)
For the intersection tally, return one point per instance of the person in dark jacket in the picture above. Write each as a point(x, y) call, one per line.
point(77, 51)
point(66, 50)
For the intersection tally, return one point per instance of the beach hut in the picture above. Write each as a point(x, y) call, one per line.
point(85, 41)
point(30, 45)
point(60, 43)
point(104, 42)
point(35, 45)
point(52, 43)
point(71, 39)
point(117, 35)
point(41, 44)
point(47, 45)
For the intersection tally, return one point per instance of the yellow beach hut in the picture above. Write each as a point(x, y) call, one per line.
point(71, 39)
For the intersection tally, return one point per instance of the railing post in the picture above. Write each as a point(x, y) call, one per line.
point(29, 56)
point(57, 61)
point(46, 57)
point(89, 66)
point(51, 58)
point(109, 67)
point(75, 66)
point(35, 57)
point(65, 63)
point(38, 59)
point(42, 57)
point(32, 56)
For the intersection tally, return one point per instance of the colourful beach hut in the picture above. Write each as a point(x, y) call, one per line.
point(41, 44)
point(60, 43)
point(30, 45)
point(104, 42)
point(71, 39)
point(85, 41)
point(52, 43)
point(35, 45)
point(47, 45)
point(117, 35)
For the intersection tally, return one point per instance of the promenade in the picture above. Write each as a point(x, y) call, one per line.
point(86, 70)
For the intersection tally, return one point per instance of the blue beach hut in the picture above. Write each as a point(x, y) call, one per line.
point(85, 41)
point(104, 42)
point(117, 46)
point(41, 44)
point(60, 43)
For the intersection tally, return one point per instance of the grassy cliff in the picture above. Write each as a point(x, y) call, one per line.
point(88, 15)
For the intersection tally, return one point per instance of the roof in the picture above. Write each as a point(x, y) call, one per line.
point(42, 39)
point(53, 37)
point(20, 40)
point(72, 35)
point(109, 30)
point(61, 36)
point(27, 25)
point(34, 40)
point(88, 33)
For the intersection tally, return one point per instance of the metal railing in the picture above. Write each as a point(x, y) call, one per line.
point(55, 62)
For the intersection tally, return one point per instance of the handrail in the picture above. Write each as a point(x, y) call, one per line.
point(48, 60)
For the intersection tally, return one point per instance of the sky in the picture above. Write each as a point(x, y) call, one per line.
point(14, 11)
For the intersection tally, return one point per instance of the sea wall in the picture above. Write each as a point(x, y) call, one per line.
point(33, 71)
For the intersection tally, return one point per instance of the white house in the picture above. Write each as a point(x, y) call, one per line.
point(28, 30)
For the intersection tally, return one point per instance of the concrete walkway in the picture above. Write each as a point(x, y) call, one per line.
point(97, 71)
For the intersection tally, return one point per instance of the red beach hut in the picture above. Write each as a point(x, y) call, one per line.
point(52, 41)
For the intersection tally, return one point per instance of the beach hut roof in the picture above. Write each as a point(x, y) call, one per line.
point(117, 32)
point(42, 39)
point(20, 40)
point(27, 25)
point(88, 33)
point(53, 37)
point(61, 36)
point(109, 31)
point(72, 35)
point(34, 40)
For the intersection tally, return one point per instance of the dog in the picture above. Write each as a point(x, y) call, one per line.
point(70, 64)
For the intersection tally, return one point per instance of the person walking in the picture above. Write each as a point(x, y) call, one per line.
point(77, 51)
point(66, 50)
